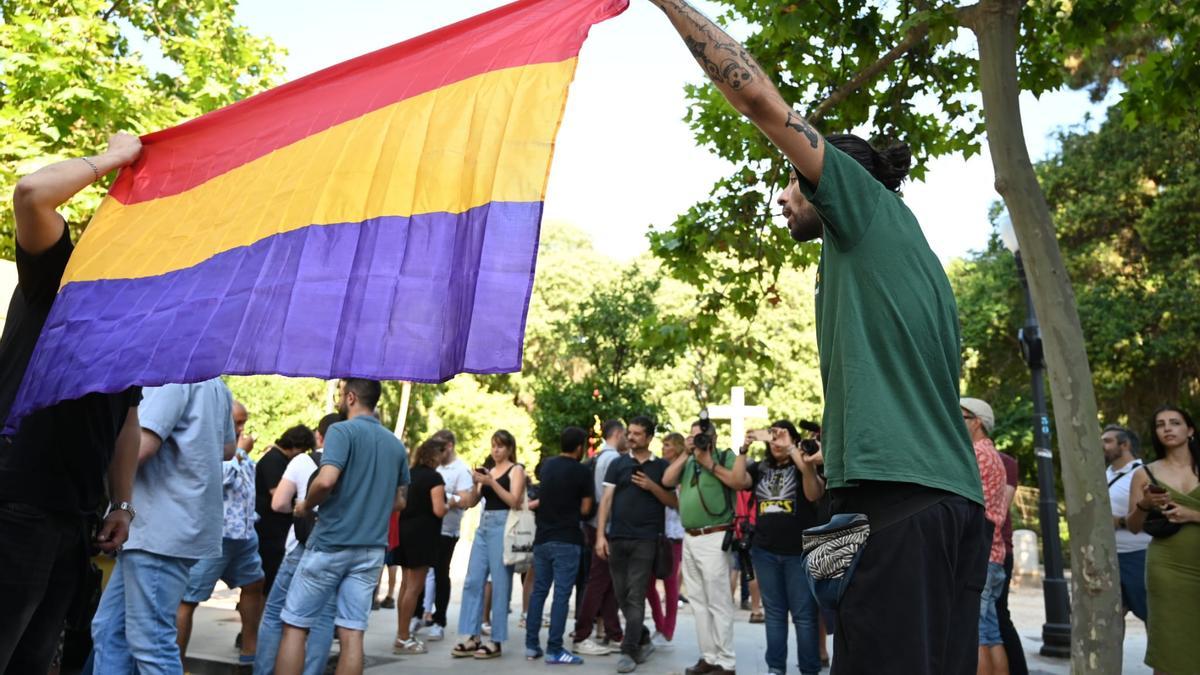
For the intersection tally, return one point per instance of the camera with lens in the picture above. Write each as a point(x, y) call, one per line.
point(810, 446)
point(738, 541)
point(706, 439)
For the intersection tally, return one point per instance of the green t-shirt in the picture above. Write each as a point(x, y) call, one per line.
point(696, 484)
point(889, 341)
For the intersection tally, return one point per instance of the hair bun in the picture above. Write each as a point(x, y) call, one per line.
point(895, 161)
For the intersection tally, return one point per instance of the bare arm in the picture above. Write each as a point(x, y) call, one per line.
point(744, 84)
point(401, 499)
point(736, 478)
point(281, 498)
point(675, 471)
point(438, 495)
point(120, 483)
point(814, 485)
point(38, 195)
point(1137, 493)
point(739, 478)
point(148, 446)
point(602, 522)
point(585, 506)
point(322, 485)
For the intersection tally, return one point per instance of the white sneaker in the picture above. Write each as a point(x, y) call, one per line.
point(660, 641)
point(415, 626)
point(590, 647)
point(436, 633)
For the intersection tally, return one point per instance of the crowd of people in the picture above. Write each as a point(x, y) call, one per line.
point(892, 533)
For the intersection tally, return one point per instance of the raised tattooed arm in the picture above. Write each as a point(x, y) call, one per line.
point(744, 84)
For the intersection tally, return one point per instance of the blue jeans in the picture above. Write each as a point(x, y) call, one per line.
point(487, 556)
point(239, 566)
point(347, 575)
point(1133, 582)
point(553, 562)
point(989, 621)
point(270, 630)
point(783, 587)
point(134, 627)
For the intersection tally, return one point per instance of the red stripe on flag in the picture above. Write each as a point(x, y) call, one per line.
point(522, 33)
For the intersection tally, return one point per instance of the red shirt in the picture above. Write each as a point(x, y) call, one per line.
point(1010, 470)
point(991, 472)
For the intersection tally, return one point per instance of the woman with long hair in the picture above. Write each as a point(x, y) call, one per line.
point(1170, 486)
point(420, 527)
point(787, 486)
point(502, 487)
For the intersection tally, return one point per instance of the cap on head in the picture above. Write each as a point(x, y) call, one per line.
point(980, 409)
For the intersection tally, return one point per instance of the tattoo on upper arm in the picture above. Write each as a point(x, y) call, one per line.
point(798, 123)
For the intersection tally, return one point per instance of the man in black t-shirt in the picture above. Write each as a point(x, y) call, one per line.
point(565, 499)
point(52, 469)
point(631, 521)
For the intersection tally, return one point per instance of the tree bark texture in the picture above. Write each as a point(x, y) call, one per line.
point(1097, 623)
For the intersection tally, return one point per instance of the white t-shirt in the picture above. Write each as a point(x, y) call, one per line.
point(457, 476)
point(298, 471)
point(1118, 494)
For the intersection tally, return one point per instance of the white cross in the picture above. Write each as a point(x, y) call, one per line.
point(737, 413)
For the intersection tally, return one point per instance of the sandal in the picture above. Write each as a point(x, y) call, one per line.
point(488, 651)
point(465, 648)
point(757, 617)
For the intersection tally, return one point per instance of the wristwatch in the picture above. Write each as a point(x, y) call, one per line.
point(123, 506)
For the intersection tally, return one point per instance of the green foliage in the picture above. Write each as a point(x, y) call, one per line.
point(1124, 203)
point(74, 71)
point(1152, 47)
point(729, 247)
point(276, 403)
point(473, 413)
point(608, 344)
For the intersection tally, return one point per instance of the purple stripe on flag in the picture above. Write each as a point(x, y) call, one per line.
point(418, 298)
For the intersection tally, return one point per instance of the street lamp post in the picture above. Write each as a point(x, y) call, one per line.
point(1056, 632)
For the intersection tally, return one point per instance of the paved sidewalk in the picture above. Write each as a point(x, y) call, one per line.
point(216, 625)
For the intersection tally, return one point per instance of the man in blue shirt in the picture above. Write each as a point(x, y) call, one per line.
point(239, 565)
point(362, 479)
point(186, 430)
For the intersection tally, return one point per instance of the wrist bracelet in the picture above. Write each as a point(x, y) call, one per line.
point(95, 171)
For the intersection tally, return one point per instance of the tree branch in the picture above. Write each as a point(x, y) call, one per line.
point(914, 37)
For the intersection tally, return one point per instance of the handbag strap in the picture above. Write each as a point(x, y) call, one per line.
point(1133, 467)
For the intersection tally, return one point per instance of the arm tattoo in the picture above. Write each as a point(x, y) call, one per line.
point(798, 123)
point(736, 68)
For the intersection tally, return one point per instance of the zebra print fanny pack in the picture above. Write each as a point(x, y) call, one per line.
point(831, 552)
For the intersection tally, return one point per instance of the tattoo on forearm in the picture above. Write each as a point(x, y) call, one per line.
point(723, 59)
point(797, 123)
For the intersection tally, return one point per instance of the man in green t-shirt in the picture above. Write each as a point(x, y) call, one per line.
point(895, 447)
point(707, 479)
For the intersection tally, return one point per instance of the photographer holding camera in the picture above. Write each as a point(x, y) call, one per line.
point(707, 479)
point(787, 487)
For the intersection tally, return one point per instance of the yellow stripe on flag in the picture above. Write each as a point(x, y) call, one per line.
point(485, 139)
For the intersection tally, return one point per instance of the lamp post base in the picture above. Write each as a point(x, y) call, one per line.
point(1056, 640)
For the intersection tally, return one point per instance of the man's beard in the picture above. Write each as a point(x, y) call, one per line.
point(805, 224)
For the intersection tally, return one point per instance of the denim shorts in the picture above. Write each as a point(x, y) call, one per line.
point(989, 622)
point(348, 573)
point(238, 566)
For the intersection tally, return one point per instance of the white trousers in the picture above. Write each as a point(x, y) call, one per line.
point(706, 576)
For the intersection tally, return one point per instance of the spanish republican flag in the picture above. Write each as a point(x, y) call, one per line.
point(376, 219)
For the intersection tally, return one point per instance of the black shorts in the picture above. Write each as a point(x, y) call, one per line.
point(912, 606)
